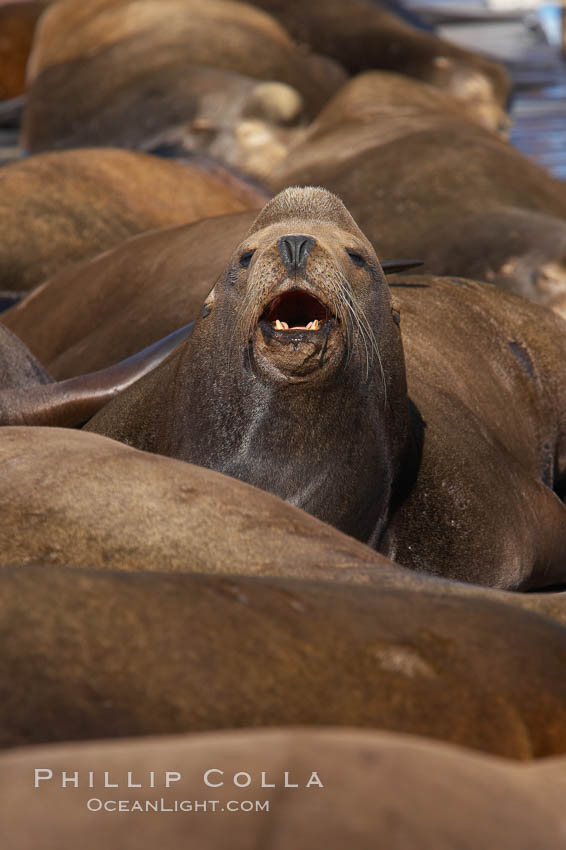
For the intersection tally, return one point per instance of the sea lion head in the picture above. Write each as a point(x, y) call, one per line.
point(305, 294)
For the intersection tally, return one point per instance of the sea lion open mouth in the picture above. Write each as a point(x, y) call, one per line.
point(298, 336)
point(296, 310)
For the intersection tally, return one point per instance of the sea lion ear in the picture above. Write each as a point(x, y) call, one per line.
point(208, 303)
point(393, 266)
point(396, 311)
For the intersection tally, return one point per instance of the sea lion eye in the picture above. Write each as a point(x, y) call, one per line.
point(357, 259)
point(245, 258)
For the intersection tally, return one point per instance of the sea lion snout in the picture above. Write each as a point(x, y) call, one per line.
point(294, 251)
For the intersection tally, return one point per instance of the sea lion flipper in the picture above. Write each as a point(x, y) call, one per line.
point(74, 401)
point(394, 266)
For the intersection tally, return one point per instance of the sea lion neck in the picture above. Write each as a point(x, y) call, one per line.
point(332, 449)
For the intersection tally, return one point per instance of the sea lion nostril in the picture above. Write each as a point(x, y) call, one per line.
point(294, 250)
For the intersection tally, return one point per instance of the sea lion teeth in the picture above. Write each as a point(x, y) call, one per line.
point(313, 326)
point(281, 326)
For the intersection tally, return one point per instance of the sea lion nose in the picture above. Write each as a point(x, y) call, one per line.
point(294, 251)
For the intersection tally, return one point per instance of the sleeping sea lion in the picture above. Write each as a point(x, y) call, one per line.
point(294, 380)
point(138, 97)
point(356, 805)
point(118, 654)
point(369, 110)
point(362, 37)
point(58, 208)
point(88, 54)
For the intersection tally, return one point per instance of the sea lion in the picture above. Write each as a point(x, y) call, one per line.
point(294, 380)
point(515, 807)
point(62, 207)
point(369, 110)
point(17, 26)
point(75, 513)
point(362, 36)
point(99, 311)
point(84, 510)
point(120, 654)
point(136, 96)
point(108, 46)
point(428, 191)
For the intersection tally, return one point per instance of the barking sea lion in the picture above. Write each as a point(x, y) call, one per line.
point(294, 380)
point(302, 325)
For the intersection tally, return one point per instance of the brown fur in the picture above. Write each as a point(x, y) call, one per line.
point(58, 208)
point(18, 367)
point(83, 509)
point(97, 312)
point(28, 396)
point(449, 797)
point(75, 513)
point(369, 110)
point(115, 654)
point(136, 96)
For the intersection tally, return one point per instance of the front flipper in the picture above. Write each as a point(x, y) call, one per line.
point(74, 401)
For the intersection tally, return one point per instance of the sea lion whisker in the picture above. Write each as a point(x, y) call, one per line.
point(366, 333)
point(374, 345)
point(361, 322)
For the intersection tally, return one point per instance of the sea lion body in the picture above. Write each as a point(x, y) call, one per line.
point(18, 366)
point(84, 510)
point(70, 517)
point(372, 109)
point(29, 396)
point(58, 208)
point(322, 417)
point(516, 807)
point(168, 103)
point(116, 654)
